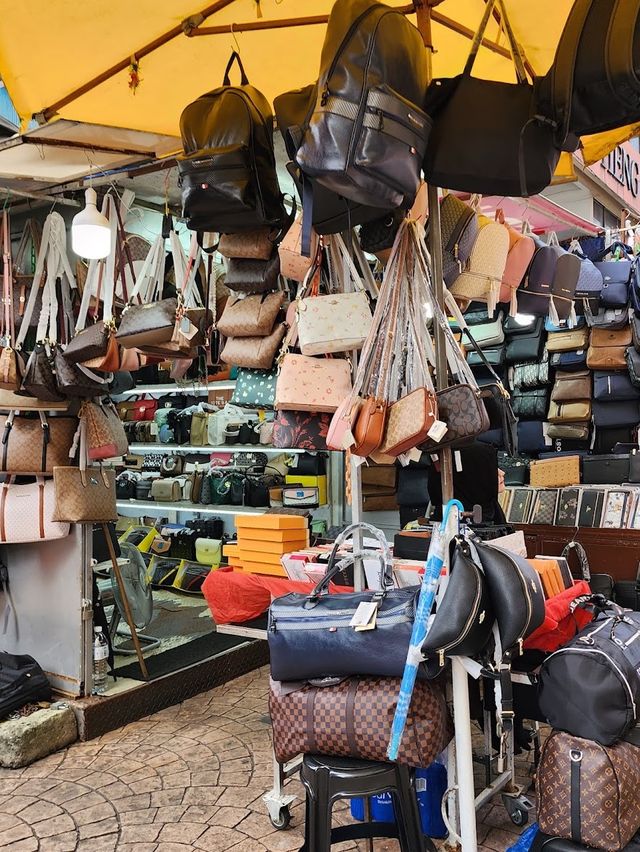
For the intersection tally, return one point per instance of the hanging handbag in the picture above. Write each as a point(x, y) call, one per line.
point(84, 495)
point(305, 720)
point(253, 316)
point(77, 380)
point(521, 249)
point(459, 227)
point(464, 618)
point(532, 375)
point(571, 386)
point(253, 276)
point(293, 264)
point(35, 444)
point(152, 322)
point(482, 274)
point(300, 430)
point(106, 437)
point(502, 146)
point(250, 245)
point(27, 512)
point(491, 334)
point(339, 322)
point(616, 275)
point(256, 353)
point(255, 389)
point(11, 361)
point(312, 384)
point(301, 649)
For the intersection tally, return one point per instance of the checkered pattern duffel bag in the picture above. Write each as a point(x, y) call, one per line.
point(353, 719)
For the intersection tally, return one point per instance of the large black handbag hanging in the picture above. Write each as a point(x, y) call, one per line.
point(486, 135)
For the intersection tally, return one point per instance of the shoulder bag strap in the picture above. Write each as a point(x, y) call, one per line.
point(7, 282)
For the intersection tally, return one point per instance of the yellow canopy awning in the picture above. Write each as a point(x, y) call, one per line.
point(52, 49)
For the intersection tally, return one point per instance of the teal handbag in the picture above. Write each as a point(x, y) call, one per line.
point(255, 388)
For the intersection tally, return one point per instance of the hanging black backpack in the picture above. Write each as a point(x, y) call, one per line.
point(330, 213)
point(367, 134)
point(228, 172)
point(594, 82)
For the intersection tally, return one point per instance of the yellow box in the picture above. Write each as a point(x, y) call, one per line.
point(319, 482)
point(278, 547)
point(259, 556)
point(231, 551)
point(286, 537)
point(271, 522)
point(262, 568)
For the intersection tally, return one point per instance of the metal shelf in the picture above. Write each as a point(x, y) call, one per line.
point(196, 388)
point(184, 506)
point(223, 448)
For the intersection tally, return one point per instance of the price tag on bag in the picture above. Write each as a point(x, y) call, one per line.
point(364, 614)
point(437, 431)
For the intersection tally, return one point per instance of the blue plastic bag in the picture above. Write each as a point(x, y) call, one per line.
point(525, 841)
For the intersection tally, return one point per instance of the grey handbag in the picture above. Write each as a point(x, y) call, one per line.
point(253, 276)
point(491, 334)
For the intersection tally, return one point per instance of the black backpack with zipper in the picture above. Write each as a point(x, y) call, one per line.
point(228, 171)
point(367, 133)
point(594, 82)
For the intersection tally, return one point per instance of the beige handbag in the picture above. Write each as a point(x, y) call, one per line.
point(106, 437)
point(166, 490)
point(26, 512)
point(568, 341)
point(84, 495)
point(555, 473)
point(198, 434)
point(35, 444)
point(341, 321)
point(570, 412)
point(571, 386)
point(253, 316)
point(257, 353)
point(293, 264)
point(254, 245)
point(481, 278)
point(312, 384)
point(607, 348)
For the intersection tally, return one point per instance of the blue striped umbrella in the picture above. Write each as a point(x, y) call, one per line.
point(433, 568)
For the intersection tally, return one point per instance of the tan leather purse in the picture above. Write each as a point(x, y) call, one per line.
point(253, 316)
point(166, 490)
point(571, 386)
point(607, 348)
point(312, 384)
point(254, 245)
point(570, 412)
point(35, 444)
point(369, 427)
point(106, 437)
point(555, 473)
point(568, 341)
point(84, 495)
point(257, 353)
point(409, 421)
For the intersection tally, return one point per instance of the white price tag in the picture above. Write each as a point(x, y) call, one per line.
point(364, 613)
point(348, 440)
point(153, 428)
point(415, 454)
point(457, 456)
point(437, 431)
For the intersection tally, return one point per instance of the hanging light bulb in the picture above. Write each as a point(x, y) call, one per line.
point(90, 231)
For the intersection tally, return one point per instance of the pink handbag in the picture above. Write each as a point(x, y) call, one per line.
point(521, 249)
point(312, 384)
point(26, 512)
point(293, 264)
point(340, 433)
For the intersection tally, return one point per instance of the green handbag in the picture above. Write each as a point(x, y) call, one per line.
point(255, 388)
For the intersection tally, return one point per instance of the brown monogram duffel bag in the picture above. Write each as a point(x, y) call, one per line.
point(353, 719)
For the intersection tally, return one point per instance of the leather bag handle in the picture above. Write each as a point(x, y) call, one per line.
point(516, 54)
point(235, 57)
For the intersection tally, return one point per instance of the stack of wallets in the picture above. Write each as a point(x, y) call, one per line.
point(594, 506)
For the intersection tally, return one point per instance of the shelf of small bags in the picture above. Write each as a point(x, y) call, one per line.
point(223, 448)
point(184, 506)
point(197, 389)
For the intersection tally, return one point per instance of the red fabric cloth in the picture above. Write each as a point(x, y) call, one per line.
point(236, 597)
point(560, 624)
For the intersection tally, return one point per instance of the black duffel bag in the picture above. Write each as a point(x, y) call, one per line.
point(310, 636)
point(591, 687)
point(22, 681)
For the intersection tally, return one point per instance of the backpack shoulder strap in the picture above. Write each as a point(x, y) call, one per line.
point(564, 64)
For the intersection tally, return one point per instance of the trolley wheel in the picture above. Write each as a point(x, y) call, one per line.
point(518, 808)
point(284, 819)
point(519, 817)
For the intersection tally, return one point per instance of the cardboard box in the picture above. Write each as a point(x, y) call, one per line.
point(278, 547)
point(287, 537)
point(319, 482)
point(270, 522)
point(259, 556)
point(261, 568)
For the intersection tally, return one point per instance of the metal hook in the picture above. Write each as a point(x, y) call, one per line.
point(235, 40)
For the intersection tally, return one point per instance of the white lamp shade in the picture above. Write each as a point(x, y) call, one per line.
point(90, 231)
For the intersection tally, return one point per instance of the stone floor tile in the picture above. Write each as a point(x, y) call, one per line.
point(229, 817)
point(182, 832)
point(29, 844)
point(39, 811)
point(248, 845)
point(138, 817)
point(140, 833)
point(14, 834)
point(203, 795)
point(59, 843)
point(171, 813)
point(96, 829)
point(204, 778)
point(218, 838)
point(137, 847)
point(174, 796)
point(499, 840)
point(116, 790)
point(174, 847)
point(88, 799)
point(177, 779)
point(284, 841)
point(96, 813)
point(15, 804)
point(50, 827)
point(107, 843)
point(133, 803)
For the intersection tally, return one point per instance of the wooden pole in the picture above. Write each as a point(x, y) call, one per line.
point(125, 601)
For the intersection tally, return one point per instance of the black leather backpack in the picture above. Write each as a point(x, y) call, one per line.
point(367, 134)
point(228, 172)
point(594, 82)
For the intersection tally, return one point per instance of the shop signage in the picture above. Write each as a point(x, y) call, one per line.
point(620, 170)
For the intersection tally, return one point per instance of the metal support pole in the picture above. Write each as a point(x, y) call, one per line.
point(464, 757)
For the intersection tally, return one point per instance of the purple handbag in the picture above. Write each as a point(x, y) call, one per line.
point(301, 430)
point(536, 289)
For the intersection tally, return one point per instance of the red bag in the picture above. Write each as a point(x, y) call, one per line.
point(560, 624)
point(145, 409)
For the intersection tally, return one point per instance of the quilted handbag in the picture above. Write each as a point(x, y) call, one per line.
point(313, 718)
point(35, 444)
point(613, 387)
point(521, 249)
point(300, 430)
point(568, 341)
point(255, 353)
point(255, 389)
point(106, 437)
point(251, 245)
point(482, 274)
point(459, 229)
point(581, 784)
point(634, 322)
point(555, 473)
point(589, 286)
point(253, 276)
point(530, 404)
point(633, 366)
point(532, 375)
point(84, 495)
point(253, 316)
point(570, 412)
point(26, 512)
point(571, 386)
point(312, 384)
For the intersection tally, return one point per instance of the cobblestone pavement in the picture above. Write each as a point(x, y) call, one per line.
point(189, 777)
